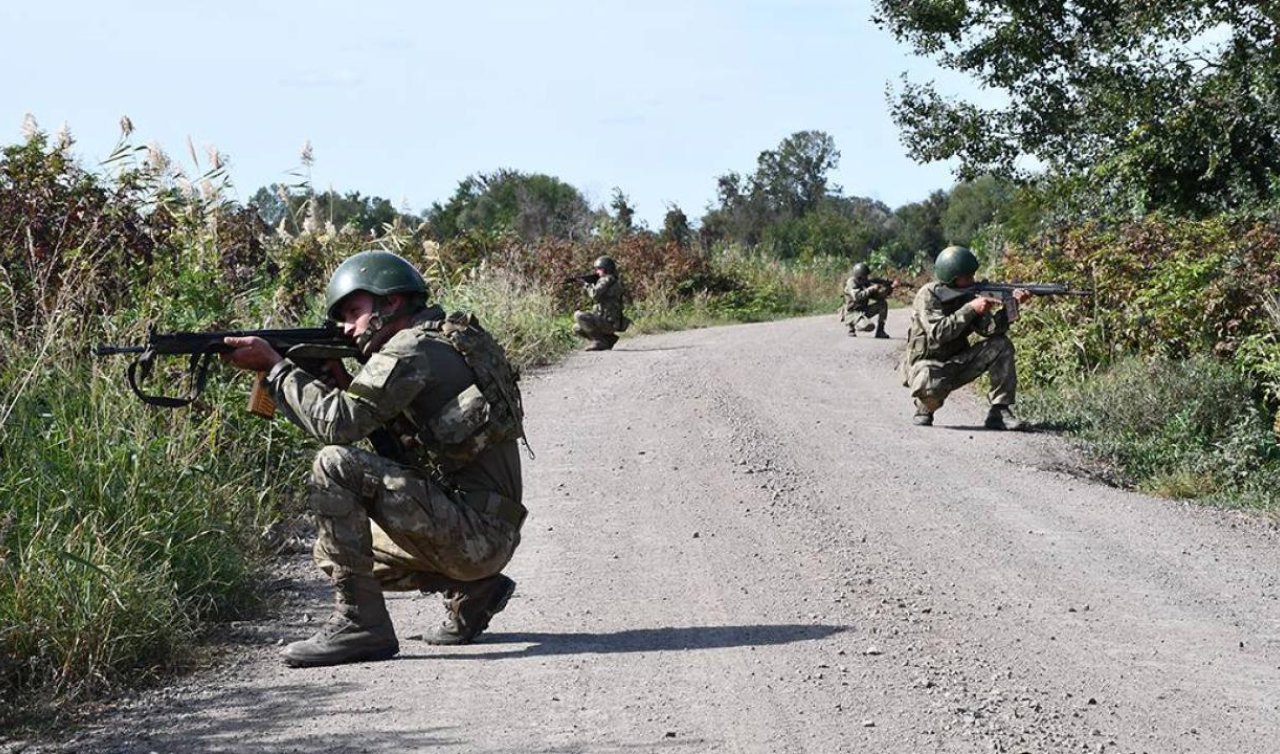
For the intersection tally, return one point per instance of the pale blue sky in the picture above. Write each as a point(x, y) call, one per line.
point(403, 99)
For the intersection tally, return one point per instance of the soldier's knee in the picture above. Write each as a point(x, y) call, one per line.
point(1002, 344)
point(340, 465)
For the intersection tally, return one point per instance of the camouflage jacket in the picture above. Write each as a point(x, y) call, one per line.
point(859, 293)
point(409, 386)
point(942, 321)
point(607, 295)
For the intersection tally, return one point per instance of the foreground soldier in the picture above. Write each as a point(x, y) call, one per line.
point(605, 320)
point(866, 302)
point(437, 508)
point(939, 356)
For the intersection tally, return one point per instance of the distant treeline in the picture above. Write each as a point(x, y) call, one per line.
point(786, 208)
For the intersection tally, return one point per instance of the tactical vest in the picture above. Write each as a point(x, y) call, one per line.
point(489, 411)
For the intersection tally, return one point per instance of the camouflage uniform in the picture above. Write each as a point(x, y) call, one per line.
point(606, 318)
point(939, 356)
point(418, 521)
point(865, 305)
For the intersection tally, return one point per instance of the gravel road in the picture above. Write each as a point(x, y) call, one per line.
point(739, 543)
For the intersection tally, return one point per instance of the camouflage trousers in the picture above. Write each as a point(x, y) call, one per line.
point(592, 326)
point(932, 381)
point(378, 517)
point(867, 318)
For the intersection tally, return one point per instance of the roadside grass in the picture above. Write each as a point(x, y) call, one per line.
point(1185, 429)
point(125, 528)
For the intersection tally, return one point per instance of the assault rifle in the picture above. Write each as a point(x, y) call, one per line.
point(1003, 293)
point(308, 347)
point(587, 278)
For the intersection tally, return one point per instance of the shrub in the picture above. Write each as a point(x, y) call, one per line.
point(1184, 427)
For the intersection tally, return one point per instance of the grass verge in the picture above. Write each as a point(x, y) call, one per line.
point(1187, 429)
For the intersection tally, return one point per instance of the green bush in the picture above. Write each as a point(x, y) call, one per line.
point(1178, 427)
point(1172, 288)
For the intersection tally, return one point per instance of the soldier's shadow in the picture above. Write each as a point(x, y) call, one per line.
point(1027, 430)
point(651, 350)
point(632, 640)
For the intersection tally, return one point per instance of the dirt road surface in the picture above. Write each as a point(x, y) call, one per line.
point(739, 543)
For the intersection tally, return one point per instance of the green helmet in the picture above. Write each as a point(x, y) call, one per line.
point(954, 262)
point(861, 271)
point(607, 264)
point(378, 272)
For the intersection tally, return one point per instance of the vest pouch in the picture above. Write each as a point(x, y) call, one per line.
point(460, 418)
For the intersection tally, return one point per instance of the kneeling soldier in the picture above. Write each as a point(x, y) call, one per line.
point(606, 319)
point(940, 357)
point(437, 507)
point(866, 302)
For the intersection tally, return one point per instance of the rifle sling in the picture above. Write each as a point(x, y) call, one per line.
point(198, 371)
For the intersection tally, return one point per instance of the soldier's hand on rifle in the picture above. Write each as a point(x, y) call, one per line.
point(982, 305)
point(1022, 295)
point(253, 354)
point(335, 374)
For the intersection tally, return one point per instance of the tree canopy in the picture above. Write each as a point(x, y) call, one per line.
point(530, 205)
point(1171, 104)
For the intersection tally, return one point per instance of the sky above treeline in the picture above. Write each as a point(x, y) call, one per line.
point(403, 100)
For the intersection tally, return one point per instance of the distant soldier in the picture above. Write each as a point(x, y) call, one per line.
point(940, 357)
point(606, 319)
point(866, 302)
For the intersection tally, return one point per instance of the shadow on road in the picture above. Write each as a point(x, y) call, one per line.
point(264, 721)
point(633, 640)
point(653, 350)
point(1029, 429)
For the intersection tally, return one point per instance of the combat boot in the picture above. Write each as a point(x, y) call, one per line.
point(359, 630)
point(1002, 417)
point(470, 607)
point(880, 333)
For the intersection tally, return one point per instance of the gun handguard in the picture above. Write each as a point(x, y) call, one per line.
point(304, 344)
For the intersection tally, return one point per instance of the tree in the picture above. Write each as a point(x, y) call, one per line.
point(1162, 104)
point(675, 227)
point(972, 205)
point(916, 230)
point(368, 214)
point(531, 205)
point(794, 176)
point(623, 213)
point(788, 182)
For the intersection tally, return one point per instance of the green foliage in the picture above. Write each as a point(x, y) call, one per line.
point(1172, 369)
point(1171, 288)
point(788, 183)
point(290, 207)
point(1186, 427)
point(743, 287)
point(532, 206)
point(1164, 105)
